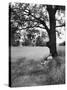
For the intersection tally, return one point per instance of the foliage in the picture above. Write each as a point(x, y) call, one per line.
point(27, 17)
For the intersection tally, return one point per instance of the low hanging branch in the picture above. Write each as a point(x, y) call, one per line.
point(32, 27)
point(36, 19)
point(39, 20)
point(61, 25)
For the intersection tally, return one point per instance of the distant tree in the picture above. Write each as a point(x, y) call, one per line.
point(47, 17)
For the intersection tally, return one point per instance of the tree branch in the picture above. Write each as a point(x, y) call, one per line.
point(60, 7)
point(61, 25)
point(39, 20)
point(32, 27)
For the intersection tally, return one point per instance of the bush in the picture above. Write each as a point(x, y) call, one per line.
point(15, 43)
point(40, 42)
point(26, 42)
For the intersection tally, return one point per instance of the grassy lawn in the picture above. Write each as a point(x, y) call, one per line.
point(35, 53)
point(27, 71)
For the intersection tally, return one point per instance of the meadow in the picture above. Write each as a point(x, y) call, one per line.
point(27, 70)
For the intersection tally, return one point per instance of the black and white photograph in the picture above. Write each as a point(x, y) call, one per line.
point(36, 44)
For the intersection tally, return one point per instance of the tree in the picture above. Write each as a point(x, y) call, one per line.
point(28, 16)
point(52, 33)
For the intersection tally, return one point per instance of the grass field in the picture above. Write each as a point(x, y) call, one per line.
point(27, 71)
point(35, 53)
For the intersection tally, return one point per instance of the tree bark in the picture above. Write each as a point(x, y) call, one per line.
point(52, 33)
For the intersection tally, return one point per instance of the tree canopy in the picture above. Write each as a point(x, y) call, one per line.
point(29, 17)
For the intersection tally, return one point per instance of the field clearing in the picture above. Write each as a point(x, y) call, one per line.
point(35, 53)
point(30, 72)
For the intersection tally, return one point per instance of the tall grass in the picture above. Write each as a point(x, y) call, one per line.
point(33, 73)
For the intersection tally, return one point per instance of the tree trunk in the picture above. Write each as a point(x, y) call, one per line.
point(52, 34)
